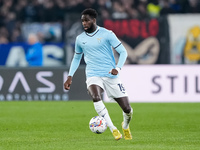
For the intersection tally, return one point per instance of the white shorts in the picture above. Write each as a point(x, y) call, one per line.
point(113, 87)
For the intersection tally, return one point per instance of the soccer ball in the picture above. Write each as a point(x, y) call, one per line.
point(98, 124)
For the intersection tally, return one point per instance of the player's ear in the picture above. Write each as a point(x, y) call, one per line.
point(94, 20)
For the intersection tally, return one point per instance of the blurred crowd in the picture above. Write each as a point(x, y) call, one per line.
point(13, 13)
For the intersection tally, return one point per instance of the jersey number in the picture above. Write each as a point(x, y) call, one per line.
point(121, 87)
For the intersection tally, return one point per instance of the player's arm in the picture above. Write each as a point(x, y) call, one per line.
point(117, 45)
point(74, 66)
point(122, 55)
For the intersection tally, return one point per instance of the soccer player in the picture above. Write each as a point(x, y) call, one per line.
point(96, 44)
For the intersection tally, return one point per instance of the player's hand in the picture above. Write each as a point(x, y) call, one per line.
point(68, 82)
point(114, 71)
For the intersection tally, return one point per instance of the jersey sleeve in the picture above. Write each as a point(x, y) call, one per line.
point(122, 55)
point(78, 49)
point(117, 45)
point(75, 63)
point(76, 59)
point(113, 40)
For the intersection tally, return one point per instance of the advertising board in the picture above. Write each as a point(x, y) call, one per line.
point(161, 83)
point(43, 84)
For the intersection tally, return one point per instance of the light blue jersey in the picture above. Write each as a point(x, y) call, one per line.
point(98, 53)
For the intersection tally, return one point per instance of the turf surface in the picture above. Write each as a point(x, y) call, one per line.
point(64, 126)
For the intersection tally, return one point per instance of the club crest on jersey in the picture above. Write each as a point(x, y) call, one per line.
point(99, 40)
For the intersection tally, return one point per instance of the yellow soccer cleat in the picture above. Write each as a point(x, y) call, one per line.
point(127, 133)
point(117, 135)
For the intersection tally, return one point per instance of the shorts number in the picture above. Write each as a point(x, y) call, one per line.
point(121, 87)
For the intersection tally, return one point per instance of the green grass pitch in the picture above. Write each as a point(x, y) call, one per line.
point(64, 126)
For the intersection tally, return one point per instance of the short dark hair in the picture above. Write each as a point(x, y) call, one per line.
point(91, 12)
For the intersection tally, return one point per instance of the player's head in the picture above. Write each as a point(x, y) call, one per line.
point(88, 18)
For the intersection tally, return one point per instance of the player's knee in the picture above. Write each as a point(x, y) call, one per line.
point(96, 98)
point(127, 109)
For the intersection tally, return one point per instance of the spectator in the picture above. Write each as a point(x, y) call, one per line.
point(104, 8)
point(141, 7)
point(16, 36)
point(153, 8)
point(49, 11)
point(104, 14)
point(14, 11)
point(175, 6)
point(4, 35)
point(20, 10)
point(165, 8)
point(3, 40)
point(10, 22)
point(119, 11)
point(193, 6)
point(34, 54)
point(130, 8)
point(60, 9)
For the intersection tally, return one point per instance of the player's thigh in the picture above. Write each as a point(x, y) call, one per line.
point(95, 88)
point(95, 92)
